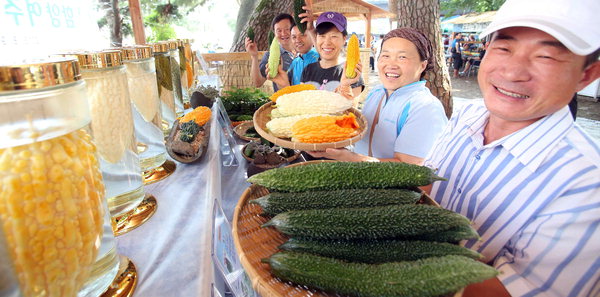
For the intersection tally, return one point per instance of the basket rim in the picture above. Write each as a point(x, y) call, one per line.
point(241, 129)
point(265, 111)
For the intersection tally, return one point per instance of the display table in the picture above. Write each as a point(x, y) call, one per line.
point(171, 251)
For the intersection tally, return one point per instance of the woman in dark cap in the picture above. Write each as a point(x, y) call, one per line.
point(327, 73)
point(404, 117)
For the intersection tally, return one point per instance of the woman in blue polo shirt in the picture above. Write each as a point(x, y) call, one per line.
point(404, 117)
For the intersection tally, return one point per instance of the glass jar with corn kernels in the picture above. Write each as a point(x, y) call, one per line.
point(54, 219)
point(143, 93)
point(164, 80)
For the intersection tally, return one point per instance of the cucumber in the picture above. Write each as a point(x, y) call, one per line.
point(421, 278)
point(298, 10)
point(377, 251)
point(345, 175)
point(390, 221)
point(452, 235)
point(278, 202)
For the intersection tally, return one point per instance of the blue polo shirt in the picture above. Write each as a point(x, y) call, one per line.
point(410, 120)
point(298, 64)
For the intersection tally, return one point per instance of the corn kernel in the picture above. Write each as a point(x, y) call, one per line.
point(46, 191)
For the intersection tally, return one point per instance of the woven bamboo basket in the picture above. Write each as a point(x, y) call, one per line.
point(233, 70)
point(241, 129)
point(269, 166)
point(254, 243)
point(263, 115)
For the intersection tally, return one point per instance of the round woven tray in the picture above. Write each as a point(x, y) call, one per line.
point(268, 166)
point(241, 129)
point(254, 243)
point(263, 115)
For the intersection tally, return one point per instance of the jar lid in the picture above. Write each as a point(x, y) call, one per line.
point(160, 47)
point(98, 59)
point(136, 52)
point(172, 44)
point(39, 74)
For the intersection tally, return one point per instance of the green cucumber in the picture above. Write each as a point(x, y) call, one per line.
point(421, 278)
point(345, 175)
point(392, 221)
point(377, 251)
point(278, 202)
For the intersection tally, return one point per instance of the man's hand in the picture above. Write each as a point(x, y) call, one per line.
point(307, 18)
point(251, 47)
point(281, 79)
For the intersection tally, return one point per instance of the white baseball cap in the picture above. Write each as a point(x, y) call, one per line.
point(575, 23)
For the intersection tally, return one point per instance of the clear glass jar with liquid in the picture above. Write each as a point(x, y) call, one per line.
point(164, 79)
point(176, 76)
point(56, 228)
point(143, 93)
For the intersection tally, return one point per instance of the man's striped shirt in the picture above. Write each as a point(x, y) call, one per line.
point(534, 198)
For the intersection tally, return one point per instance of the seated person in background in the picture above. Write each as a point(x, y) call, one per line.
point(307, 54)
point(404, 117)
point(327, 73)
point(517, 164)
point(281, 26)
point(474, 60)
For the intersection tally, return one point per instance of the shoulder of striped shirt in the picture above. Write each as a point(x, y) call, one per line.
point(583, 143)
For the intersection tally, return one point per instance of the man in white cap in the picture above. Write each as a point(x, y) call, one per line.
point(517, 165)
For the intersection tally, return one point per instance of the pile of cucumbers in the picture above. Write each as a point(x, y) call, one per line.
point(356, 229)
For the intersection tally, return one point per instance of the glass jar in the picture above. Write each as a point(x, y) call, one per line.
point(176, 76)
point(143, 93)
point(189, 64)
point(52, 209)
point(183, 73)
point(162, 61)
point(112, 128)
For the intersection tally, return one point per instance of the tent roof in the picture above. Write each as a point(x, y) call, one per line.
point(471, 18)
point(352, 9)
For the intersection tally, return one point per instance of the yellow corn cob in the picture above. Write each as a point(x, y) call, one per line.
point(352, 57)
point(292, 89)
point(323, 129)
point(51, 195)
point(200, 115)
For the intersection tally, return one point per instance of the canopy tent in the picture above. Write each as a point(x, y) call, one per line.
point(471, 22)
point(353, 10)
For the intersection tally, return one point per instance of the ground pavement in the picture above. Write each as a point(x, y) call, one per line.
point(466, 88)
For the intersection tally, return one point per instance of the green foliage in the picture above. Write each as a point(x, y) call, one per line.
point(159, 21)
point(462, 6)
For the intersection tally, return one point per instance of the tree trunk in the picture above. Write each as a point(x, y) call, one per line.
point(424, 16)
point(246, 9)
point(113, 17)
point(260, 21)
point(393, 4)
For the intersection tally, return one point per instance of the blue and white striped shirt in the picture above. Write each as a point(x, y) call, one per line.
point(534, 197)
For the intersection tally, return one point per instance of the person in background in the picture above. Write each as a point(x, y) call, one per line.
point(404, 117)
point(517, 164)
point(328, 72)
point(474, 60)
point(281, 25)
point(307, 54)
point(455, 50)
point(378, 48)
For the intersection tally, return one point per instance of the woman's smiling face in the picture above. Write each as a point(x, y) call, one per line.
point(330, 44)
point(399, 63)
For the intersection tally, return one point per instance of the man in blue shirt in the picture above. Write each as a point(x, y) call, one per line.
point(517, 164)
point(281, 25)
point(306, 54)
